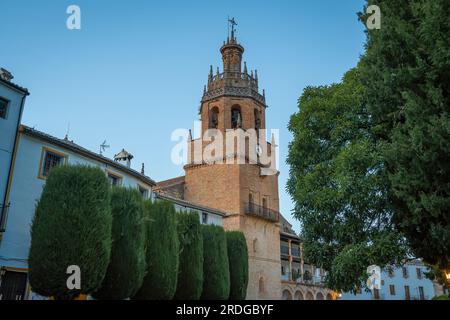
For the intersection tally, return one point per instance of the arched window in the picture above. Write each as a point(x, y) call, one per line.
point(255, 245)
point(309, 296)
point(319, 296)
point(214, 118)
point(257, 115)
point(236, 117)
point(261, 286)
point(329, 297)
point(264, 205)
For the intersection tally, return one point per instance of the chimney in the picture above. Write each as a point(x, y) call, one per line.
point(5, 75)
point(124, 157)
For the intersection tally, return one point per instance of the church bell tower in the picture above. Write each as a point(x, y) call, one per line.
point(246, 190)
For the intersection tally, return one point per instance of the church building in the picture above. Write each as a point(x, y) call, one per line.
point(247, 191)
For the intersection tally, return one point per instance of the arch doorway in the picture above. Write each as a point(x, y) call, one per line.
point(309, 296)
point(298, 295)
point(286, 295)
point(329, 297)
point(320, 296)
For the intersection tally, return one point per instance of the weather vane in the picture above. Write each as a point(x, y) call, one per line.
point(103, 147)
point(232, 23)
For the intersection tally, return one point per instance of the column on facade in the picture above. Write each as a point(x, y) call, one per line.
point(290, 259)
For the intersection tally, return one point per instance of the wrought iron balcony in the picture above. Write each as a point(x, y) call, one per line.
point(261, 212)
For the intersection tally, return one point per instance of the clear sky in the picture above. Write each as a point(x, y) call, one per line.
point(136, 69)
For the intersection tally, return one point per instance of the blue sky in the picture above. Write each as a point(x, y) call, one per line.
point(136, 69)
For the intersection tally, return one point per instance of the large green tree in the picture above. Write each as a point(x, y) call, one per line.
point(190, 273)
point(238, 262)
point(72, 226)
point(339, 186)
point(127, 266)
point(162, 252)
point(216, 274)
point(406, 75)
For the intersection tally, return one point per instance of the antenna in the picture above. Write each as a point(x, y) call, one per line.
point(103, 147)
point(67, 132)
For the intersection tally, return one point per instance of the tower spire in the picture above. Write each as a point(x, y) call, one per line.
point(232, 23)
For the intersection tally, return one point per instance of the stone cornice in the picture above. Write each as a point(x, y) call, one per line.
point(246, 92)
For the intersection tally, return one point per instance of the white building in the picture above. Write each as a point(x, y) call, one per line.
point(399, 283)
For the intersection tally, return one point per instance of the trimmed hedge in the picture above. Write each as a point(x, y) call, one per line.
point(216, 275)
point(238, 262)
point(126, 269)
point(72, 226)
point(162, 249)
point(190, 274)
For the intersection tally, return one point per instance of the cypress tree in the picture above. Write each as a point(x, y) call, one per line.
point(71, 226)
point(162, 252)
point(190, 273)
point(127, 266)
point(238, 262)
point(216, 275)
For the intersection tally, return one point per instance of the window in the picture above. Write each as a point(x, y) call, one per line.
point(407, 295)
point(214, 118)
point(392, 289)
point(376, 294)
point(421, 293)
point(236, 118)
point(264, 204)
point(144, 192)
point(114, 180)
point(405, 272)
point(13, 285)
point(257, 119)
point(419, 273)
point(3, 108)
point(49, 160)
point(390, 271)
point(204, 218)
point(255, 245)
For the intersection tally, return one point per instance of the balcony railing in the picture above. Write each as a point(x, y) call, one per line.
point(296, 277)
point(261, 212)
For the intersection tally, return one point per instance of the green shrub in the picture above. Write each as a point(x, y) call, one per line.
point(127, 266)
point(162, 250)
point(190, 274)
point(441, 297)
point(238, 262)
point(216, 275)
point(72, 226)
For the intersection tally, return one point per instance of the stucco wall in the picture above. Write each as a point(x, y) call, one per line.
point(26, 189)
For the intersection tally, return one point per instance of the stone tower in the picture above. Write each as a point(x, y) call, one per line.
point(246, 191)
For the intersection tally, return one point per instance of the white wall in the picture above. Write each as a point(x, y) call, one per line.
point(26, 189)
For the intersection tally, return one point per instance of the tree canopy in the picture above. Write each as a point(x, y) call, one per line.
point(339, 185)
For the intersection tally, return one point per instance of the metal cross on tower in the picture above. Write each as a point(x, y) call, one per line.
point(232, 23)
